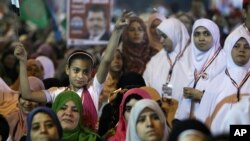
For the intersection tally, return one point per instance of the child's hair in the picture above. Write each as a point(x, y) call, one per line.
point(80, 54)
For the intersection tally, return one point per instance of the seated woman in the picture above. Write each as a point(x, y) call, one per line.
point(147, 122)
point(128, 101)
point(43, 124)
point(68, 107)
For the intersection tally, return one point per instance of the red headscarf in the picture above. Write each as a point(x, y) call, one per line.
point(120, 134)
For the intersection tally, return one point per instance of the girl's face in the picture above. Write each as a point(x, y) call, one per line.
point(135, 33)
point(241, 52)
point(202, 38)
point(117, 62)
point(43, 128)
point(153, 26)
point(149, 126)
point(69, 115)
point(79, 73)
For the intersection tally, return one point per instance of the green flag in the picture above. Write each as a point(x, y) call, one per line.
point(35, 11)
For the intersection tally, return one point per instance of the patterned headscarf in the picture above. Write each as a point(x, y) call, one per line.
point(136, 55)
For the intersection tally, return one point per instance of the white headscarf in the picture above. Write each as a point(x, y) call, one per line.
point(177, 32)
point(48, 66)
point(198, 60)
point(239, 114)
point(199, 57)
point(221, 95)
point(136, 110)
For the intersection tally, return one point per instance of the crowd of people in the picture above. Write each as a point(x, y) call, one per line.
point(179, 77)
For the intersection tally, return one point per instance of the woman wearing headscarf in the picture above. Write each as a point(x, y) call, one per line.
point(231, 86)
point(128, 101)
point(43, 119)
point(47, 65)
point(17, 118)
point(146, 116)
point(68, 107)
point(174, 38)
point(207, 60)
point(135, 46)
point(153, 21)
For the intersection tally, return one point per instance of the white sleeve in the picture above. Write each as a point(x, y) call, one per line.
point(52, 93)
point(95, 91)
point(147, 73)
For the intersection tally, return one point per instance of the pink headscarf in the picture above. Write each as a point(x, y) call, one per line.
point(120, 134)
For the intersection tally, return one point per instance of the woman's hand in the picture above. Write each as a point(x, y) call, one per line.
point(192, 93)
point(20, 52)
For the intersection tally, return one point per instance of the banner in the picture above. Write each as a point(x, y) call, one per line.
point(88, 22)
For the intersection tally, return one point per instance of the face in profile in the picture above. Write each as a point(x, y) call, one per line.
point(43, 128)
point(153, 26)
point(241, 52)
point(148, 126)
point(165, 41)
point(128, 108)
point(202, 38)
point(135, 33)
point(27, 106)
point(95, 23)
point(69, 116)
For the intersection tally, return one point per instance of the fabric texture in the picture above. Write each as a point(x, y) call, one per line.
point(48, 66)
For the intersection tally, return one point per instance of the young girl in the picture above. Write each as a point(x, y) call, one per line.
point(78, 68)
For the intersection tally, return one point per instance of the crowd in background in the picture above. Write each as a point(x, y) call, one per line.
point(165, 74)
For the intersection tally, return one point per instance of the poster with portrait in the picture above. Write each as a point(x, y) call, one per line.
point(88, 22)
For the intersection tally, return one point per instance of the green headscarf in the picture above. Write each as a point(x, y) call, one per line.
point(79, 133)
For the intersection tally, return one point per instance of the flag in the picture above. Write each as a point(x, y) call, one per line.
point(36, 12)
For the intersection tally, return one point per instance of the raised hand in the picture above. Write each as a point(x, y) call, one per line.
point(123, 20)
point(20, 51)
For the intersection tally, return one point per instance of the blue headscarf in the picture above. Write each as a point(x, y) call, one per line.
point(50, 113)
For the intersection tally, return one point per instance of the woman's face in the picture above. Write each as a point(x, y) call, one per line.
point(153, 26)
point(166, 41)
point(135, 33)
point(128, 108)
point(203, 39)
point(43, 128)
point(241, 52)
point(34, 68)
point(69, 115)
point(149, 126)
